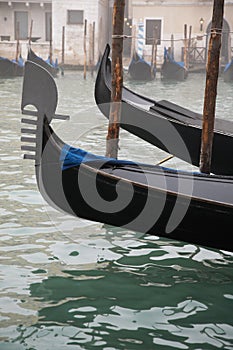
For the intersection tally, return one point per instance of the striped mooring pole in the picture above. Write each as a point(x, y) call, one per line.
point(140, 39)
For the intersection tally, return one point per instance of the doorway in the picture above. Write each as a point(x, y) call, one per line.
point(21, 25)
point(226, 45)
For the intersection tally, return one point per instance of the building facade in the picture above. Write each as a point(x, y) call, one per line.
point(172, 18)
point(79, 29)
point(66, 25)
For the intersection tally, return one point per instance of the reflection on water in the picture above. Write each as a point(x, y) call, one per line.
point(73, 284)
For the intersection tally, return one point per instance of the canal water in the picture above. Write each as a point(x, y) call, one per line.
point(67, 283)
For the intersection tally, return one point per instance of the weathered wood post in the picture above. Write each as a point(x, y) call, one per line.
point(185, 45)
point(50, 42)
point(63, 46)
point(154, 52)
point(212, 71)
point(93, 48)
point(17, 42)
point(117, 79)
point(172, 45)
point(90, 63)
point(85, 50)
point(189, 45)
point(133, 41)
point(30, 33)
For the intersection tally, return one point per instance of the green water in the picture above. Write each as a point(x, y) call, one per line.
point(67, 283)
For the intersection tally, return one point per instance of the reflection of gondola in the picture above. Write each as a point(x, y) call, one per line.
point(228, 72)
point(11, 68)
point(139, 69)
point(171, 69)
point(51, 67)
point(159, 122)
point(141, 197)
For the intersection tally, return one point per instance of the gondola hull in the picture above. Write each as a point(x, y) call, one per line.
point(173, 71)
point(145, 198)
point(9, 68)
point(51, 68)
point(140, 70)
point(168, 126)
point(228, 72)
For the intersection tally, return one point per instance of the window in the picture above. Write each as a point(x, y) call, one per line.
point(74, 17)
point(153, 29)
point(21, 25)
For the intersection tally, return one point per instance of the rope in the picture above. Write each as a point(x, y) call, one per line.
point(216, 31)
point(151, 38)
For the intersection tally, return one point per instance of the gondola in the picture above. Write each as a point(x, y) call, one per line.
point(228, 72)
point(171, 69)
point(11, 68)
point(139, 69)
point(180, 205)
point(52, 67)
point(170, 127)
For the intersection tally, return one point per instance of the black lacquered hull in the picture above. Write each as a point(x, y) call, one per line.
point(179, 205)
point(166, 125)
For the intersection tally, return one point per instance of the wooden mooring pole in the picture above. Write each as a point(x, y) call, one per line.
point(51, 42)
point(189, 46)
point(63, 46)
point(30, 33)
point(93, 48)
point(85, 50)
point(117, 79)
point(172, 45)
point(17, 42)
point(212, 71)
point(154, 52)
point(185, 45)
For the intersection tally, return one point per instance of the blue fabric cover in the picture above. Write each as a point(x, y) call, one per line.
point(228, 65)
point(20, 61)
point(170, 58)
point(53, 64)
point(71, 157)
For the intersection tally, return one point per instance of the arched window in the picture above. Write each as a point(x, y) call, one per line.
point(226, 44)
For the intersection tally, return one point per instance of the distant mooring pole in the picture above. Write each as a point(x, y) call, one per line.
point(154, 52)
point(63, 46)
point(85, 50)
point(50, 42)
point(185, 45)
point(93, 48)
point(117, 79)
point(17, 42)
point(189, 45)
point(172, 45)
point(30, 33)
point(212, 71)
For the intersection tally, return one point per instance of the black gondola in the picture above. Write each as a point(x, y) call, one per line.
point(171, 69)
point(140, 70)
point(146, 198)
point(166, 125)
point(11, 68)
point(52, 67)
point(228, 72)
